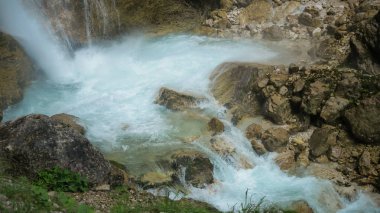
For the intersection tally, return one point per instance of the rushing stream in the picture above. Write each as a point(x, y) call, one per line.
point(111, 88)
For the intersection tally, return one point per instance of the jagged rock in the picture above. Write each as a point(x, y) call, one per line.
point(333, 108)
point(215, 126)
point(232, 85)
point(273, 33)
point(278, 109)
point(197, 167)
point(322, 139)
point(275, 139)
point(363, 120)
point(254, 131)
point(71, 121)
point(317, 92)
point(286, 160)
point(258, 147)
point(16, 71)
point(176, 101)
point(38, 142)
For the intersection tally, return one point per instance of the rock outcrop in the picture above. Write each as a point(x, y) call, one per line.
point(16, 71)
point(37, 142)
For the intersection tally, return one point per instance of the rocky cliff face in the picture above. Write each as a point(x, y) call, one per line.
point(15, 72)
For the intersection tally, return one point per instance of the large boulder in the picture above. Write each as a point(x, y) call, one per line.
point(37, 142)
point(363, 120)
point(176, 101)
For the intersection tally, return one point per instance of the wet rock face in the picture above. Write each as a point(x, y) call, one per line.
point(37, 142)
point(176, 101)
point(194, 166)
point(15, 72)
point(364, 121)
point(215, 126)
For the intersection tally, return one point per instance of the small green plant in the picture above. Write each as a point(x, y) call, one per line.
point(64, 180)
point(70, 205)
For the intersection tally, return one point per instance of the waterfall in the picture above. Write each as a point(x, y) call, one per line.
point(112, 87)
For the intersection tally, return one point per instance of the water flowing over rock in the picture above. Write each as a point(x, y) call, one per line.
point(176, 101)
point(36, 142)
point(71, 121)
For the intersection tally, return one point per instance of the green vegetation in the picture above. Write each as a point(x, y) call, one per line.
point(19, 195)
point(57, 179)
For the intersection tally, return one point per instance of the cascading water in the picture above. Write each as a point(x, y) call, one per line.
point(111, 87)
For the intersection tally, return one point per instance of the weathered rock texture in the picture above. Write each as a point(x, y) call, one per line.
point(176, 101)
point(37, 142)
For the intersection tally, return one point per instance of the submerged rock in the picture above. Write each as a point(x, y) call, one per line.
point(37, 142)
point(176, 101)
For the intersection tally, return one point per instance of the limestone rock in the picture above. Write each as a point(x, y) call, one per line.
point(71, 121)
point(222, 147)
point(275, 139)
point(317, 92)
point(38, 142)
point(278, 109)
point(364, 121)
point(333, 108)
point(322, 139)
point(176, 101)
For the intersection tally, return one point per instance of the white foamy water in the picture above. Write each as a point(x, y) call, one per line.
point(112, 87)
